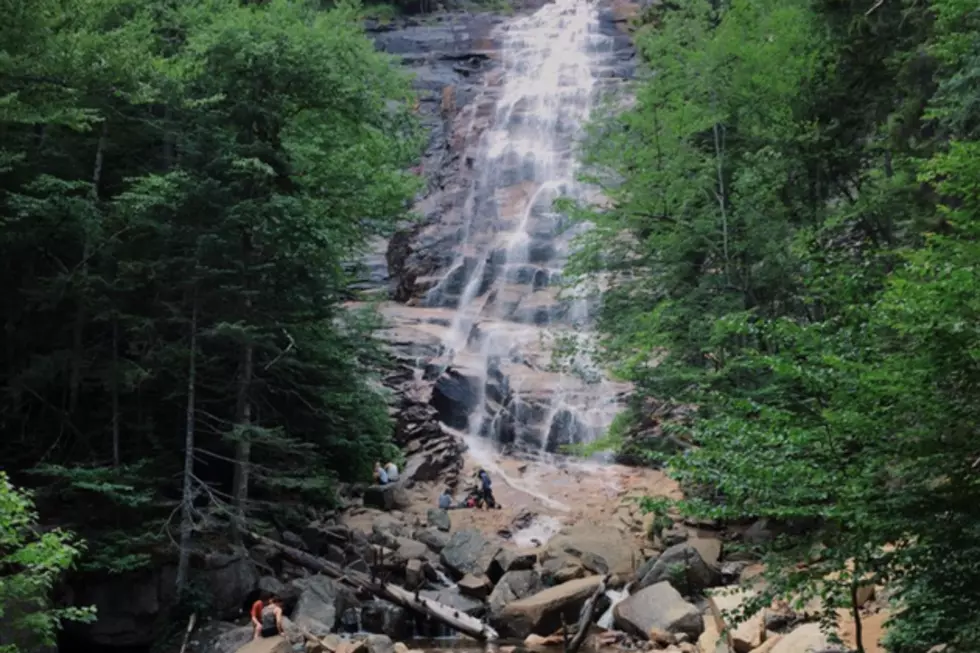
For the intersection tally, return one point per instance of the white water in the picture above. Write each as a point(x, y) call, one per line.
point(514, 244)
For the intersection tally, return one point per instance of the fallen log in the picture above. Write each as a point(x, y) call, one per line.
point(445, 614)
point(586, 617)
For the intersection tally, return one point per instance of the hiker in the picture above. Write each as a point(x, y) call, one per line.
point(486, 493)
point(267, 619)
point(380, 475)
point(446, 500)
point(391, 469)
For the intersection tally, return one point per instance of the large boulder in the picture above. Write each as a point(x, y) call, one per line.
point(683, 566)
point(542, 612)
point(435, 540)
point(468, 552)
point(392, 496)
point(808, 638)
point(230, 578)
point(600, 550)
point(267, 645)
point(438, 518)
point(510, 560)
point(514, 586)
point(320, 604)
point(744, 636)
point(411, 550)
point(659, 607)
point(219, 637)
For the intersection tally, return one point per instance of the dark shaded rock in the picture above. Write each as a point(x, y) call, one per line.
point(683, 567)
point(454, 397)
point(321, 602)
point(387, 497)
point(382, 617)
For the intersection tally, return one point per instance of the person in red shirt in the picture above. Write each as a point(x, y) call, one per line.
point(256, 613)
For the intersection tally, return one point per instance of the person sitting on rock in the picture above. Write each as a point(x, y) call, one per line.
point(446, 500)
point(380, 475)
point(391, 469)
point(269, 623)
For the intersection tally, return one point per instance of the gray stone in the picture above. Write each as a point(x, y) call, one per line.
point(439, 519)
point(435, 540)
point(684, 568)
point(468, 552)
point(382, 617)
point(321, 602)
point(513, 586)
point(379, 644)
point(658, 606)
point(387, 497)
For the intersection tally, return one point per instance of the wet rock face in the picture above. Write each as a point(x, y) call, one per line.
point(475, 285)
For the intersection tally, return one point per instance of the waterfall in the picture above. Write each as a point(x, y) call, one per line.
point(504, 284)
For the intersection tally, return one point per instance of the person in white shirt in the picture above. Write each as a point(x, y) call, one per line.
point(391, 469)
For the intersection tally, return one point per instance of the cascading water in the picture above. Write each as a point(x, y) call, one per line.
point(504, 283)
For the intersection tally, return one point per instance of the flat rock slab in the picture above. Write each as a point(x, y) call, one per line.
point(542, 613)
point(658, 607)
point(267, 645)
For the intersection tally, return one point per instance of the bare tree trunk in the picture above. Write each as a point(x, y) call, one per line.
point(243, 447)
point(115, 392)
point(187, 495)
point(856, 611)
point(75, 377)
point(243, 410)
point(722, 200)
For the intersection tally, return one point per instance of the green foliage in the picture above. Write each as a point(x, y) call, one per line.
point(32, 561)
point(210, 163)
point(792, 247)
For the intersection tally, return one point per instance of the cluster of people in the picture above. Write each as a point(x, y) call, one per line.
point(479, 496)
point(384, 474)
point(267, 617)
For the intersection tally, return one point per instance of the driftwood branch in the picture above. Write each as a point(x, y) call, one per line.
point(586, 617)
point(445, 614)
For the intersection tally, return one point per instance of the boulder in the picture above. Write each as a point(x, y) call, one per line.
point(684, 568)
point(513, 586)
point(320, 604)
point(660, 607)
point(475, 586)
point(267, 645)
point(600, 550)
point(232, 640)
point(379, 644)
point(510, 560)
point(468, 552)
point(392, 496)
point(230, 579)
point(808, 638)
point(411, 549)
point(709, 548)
point(561, 569)
point(742, 637)
point(438, 518)
point(542, 612)
point(435, 540)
